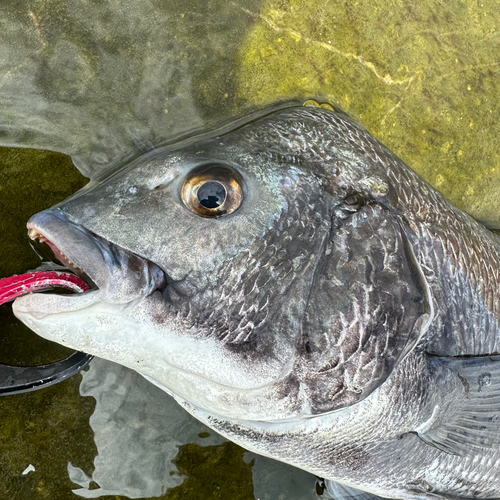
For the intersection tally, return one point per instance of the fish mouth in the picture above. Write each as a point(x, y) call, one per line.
point(63, 259)
point(118, 275)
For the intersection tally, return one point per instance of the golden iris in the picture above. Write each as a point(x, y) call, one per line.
point(212, 191)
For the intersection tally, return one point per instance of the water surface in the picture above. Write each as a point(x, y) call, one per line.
point(105, 81)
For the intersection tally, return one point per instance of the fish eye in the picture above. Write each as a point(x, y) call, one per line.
point(212, 190)
point(212, 194)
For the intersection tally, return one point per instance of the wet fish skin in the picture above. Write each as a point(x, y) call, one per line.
point(344, 319)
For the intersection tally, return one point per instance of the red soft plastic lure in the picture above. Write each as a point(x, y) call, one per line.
point(19, 379)
point(21, 284)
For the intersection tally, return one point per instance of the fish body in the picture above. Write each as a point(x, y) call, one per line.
point(298, 288)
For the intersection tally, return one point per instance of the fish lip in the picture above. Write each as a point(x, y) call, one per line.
point(95, 258)
point(36, 235)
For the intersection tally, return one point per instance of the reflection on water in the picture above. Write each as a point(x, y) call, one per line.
point(137, 431)
point(102, 81)
point(147, 444)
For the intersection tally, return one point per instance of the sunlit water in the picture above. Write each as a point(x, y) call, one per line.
point(106, 81)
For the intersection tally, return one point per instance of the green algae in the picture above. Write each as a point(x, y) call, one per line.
point(219, 469)
point(422, 77)
point(46, 429)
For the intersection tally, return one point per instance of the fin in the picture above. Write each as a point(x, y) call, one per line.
point(341, 492)
point(472, 423)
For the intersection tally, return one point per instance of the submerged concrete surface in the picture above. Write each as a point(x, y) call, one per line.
point(421, 77)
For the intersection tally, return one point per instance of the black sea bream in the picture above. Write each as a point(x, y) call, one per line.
point(299, 289)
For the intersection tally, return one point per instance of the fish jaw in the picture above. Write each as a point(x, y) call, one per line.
point(119, 275)
point(130, 334)
point(120, 280)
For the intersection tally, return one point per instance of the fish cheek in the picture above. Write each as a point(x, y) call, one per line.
point(256, 305)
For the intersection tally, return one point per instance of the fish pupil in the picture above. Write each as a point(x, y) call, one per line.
point(212, 194)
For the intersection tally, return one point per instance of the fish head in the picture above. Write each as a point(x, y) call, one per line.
point(253, 274)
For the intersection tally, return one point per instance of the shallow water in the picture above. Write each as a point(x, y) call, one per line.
point(103, 81)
